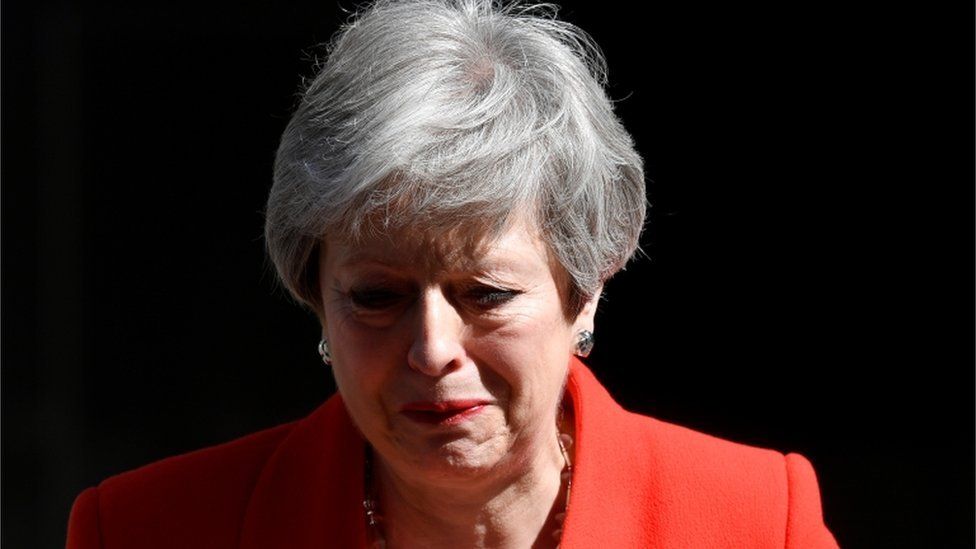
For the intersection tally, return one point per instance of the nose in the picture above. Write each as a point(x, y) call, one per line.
point(437, 347)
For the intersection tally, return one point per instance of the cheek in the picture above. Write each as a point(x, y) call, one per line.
point(362, 362)
point(362, 345)
point(534, 359)
point(363, 397)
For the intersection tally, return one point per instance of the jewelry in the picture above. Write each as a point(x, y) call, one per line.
point(324, 352)
point(584, 343)
point(374, 519)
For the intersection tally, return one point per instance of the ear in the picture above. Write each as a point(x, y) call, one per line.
point(584, 320)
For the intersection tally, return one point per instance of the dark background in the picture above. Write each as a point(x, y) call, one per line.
point(808, 285)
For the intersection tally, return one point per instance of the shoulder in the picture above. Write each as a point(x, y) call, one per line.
point(677, 456)
point(675, 451)
point(685, 452)
point(692, 488)
point(201, 495)
point(759, 494)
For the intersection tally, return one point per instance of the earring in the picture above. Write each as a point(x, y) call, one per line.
point(324, 352)
point(584, 343)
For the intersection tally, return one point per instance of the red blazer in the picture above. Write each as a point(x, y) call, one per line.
point(638, 482)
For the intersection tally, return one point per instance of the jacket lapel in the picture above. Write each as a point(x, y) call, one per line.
point(310, 493)
point(612, 500)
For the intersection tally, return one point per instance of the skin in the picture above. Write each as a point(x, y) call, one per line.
point(407, 321)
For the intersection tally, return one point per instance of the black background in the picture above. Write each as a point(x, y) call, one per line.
point(808, 284)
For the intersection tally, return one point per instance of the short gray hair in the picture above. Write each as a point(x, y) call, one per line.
point(440, 114)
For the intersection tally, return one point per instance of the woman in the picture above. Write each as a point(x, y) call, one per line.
point(449, 198)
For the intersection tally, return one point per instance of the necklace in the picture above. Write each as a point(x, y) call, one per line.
point(374, 519)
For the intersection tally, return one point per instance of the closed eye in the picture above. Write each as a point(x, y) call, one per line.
point(488, 297)
point(376, 299)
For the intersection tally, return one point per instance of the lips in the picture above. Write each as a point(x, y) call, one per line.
point(449, 412)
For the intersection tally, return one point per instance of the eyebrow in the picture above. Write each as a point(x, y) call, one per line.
point(360, 256)
point(364, 260)
point(477, 265)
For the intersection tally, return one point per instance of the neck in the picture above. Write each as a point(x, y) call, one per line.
point(517, 509)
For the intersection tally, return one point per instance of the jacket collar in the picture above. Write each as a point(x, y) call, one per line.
point(614, 472)
point(310, 493)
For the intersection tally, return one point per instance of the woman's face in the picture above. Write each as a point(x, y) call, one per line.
point(450, 362)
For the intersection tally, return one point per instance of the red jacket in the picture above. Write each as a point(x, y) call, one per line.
point(637, 482)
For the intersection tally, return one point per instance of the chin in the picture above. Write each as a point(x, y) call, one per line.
point(457, 458)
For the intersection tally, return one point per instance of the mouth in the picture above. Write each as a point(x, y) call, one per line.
point(451, 412)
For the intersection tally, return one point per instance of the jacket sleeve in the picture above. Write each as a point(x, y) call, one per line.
point(805, 526)
point(84, 531)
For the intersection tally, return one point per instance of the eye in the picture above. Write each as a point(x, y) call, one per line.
point(488, 297)
point(376, 299)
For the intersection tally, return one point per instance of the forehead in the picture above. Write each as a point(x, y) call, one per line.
point(517, 247)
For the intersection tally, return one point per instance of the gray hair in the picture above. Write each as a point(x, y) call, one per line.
point(443, 114)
